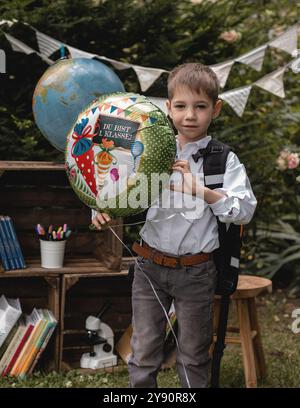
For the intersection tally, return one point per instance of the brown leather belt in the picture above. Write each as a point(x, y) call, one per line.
point(161, 258)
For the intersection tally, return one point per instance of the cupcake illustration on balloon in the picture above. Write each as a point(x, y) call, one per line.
point(104, 160)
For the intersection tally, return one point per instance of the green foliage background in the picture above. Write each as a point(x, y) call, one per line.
point(163, 34)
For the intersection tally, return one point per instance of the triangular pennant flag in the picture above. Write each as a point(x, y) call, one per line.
point(254, 58)
point(147, 76)
point(94, 110)
point(152, 120)
point(127, 112)
point(273, 82)
point(133, 99)
point(144, 117)
point(76, 53)
point(237, 98)
point(117, 64)
point(286, 41)
point(119, 111)
point(18, 45)
point(295, 65)
point(113, 108)
point(159, 102)
point(222, 71)
point(47, 45)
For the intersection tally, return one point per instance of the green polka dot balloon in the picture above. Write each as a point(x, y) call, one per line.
point(119, 154)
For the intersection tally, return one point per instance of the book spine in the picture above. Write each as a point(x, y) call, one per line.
point(15, 241)
point(41, 346)
point(9, 249)
point(3, 255)
point(44, 344)
point(6, 247)
point(11, 348)
point(12, 362)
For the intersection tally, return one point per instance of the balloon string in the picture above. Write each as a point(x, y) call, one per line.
point(93, 227)
point(159, 301)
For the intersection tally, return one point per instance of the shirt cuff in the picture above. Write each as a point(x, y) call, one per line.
point(226, 206)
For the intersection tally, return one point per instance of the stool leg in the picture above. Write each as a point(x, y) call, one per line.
point(257, 343)
point(247, 343)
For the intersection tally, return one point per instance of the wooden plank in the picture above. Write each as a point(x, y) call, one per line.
point(49, 196)
point(30, 165)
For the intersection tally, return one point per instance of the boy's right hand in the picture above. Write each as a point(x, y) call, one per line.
point(100, 220)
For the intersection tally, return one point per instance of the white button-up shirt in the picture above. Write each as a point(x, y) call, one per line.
point(174, 233)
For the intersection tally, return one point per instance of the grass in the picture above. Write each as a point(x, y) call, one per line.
point(281, 346)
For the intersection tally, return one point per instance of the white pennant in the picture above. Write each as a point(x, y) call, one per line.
point(237, 98)
point(47, 45)
point(160, 102)
point(117, 64)
point(295, 65)
point(18, 45)
point(273, 82)
point(222, 71)
point(286, 41)
point(254, 58)
point(147, 75)
point(76, 53)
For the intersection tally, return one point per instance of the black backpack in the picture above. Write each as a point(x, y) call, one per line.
point(227, 256)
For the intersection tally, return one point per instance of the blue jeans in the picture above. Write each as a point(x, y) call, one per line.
point(192, 289)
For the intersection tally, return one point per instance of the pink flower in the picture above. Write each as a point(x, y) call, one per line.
point(293, 160)
point(230, 36)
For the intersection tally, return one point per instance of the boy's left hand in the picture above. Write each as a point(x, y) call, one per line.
point(182, 165)
point(189, 183)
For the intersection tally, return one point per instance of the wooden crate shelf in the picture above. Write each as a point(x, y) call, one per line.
point(94, 269)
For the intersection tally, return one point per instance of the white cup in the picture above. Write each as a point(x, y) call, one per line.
point(52, 253)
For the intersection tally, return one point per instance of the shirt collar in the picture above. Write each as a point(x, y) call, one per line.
point(200, 144)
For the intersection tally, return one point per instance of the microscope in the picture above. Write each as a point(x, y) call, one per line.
point(101, 339)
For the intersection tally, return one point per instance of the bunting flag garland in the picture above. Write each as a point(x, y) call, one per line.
point(117, 64)
point(254, 58)
point(147, 76)
point(295, 66)
point(237, 98)
point(222, 71)
point(273, 82)
point(47, 45)
point(76, 53)
point(18, 45)
point(286, 41)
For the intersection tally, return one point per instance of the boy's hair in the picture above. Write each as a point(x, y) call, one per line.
point(198, 77)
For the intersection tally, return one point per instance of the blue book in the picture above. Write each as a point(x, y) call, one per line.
point(15, 241)
point(9, 248)
point(3, 255)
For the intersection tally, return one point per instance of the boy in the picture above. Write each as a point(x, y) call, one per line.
point(187, 273)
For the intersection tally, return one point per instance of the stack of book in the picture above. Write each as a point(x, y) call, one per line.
point(10, 250)
point(23, 338)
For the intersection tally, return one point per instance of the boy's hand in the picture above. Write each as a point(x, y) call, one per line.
point(189, 183)
point(182, 165)
point(100, 220)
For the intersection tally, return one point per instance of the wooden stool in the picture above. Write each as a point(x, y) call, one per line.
point(249, 334)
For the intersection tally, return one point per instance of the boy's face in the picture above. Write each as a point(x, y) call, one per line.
point(192, 113)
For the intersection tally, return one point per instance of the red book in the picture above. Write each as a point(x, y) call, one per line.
point(18, 350)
